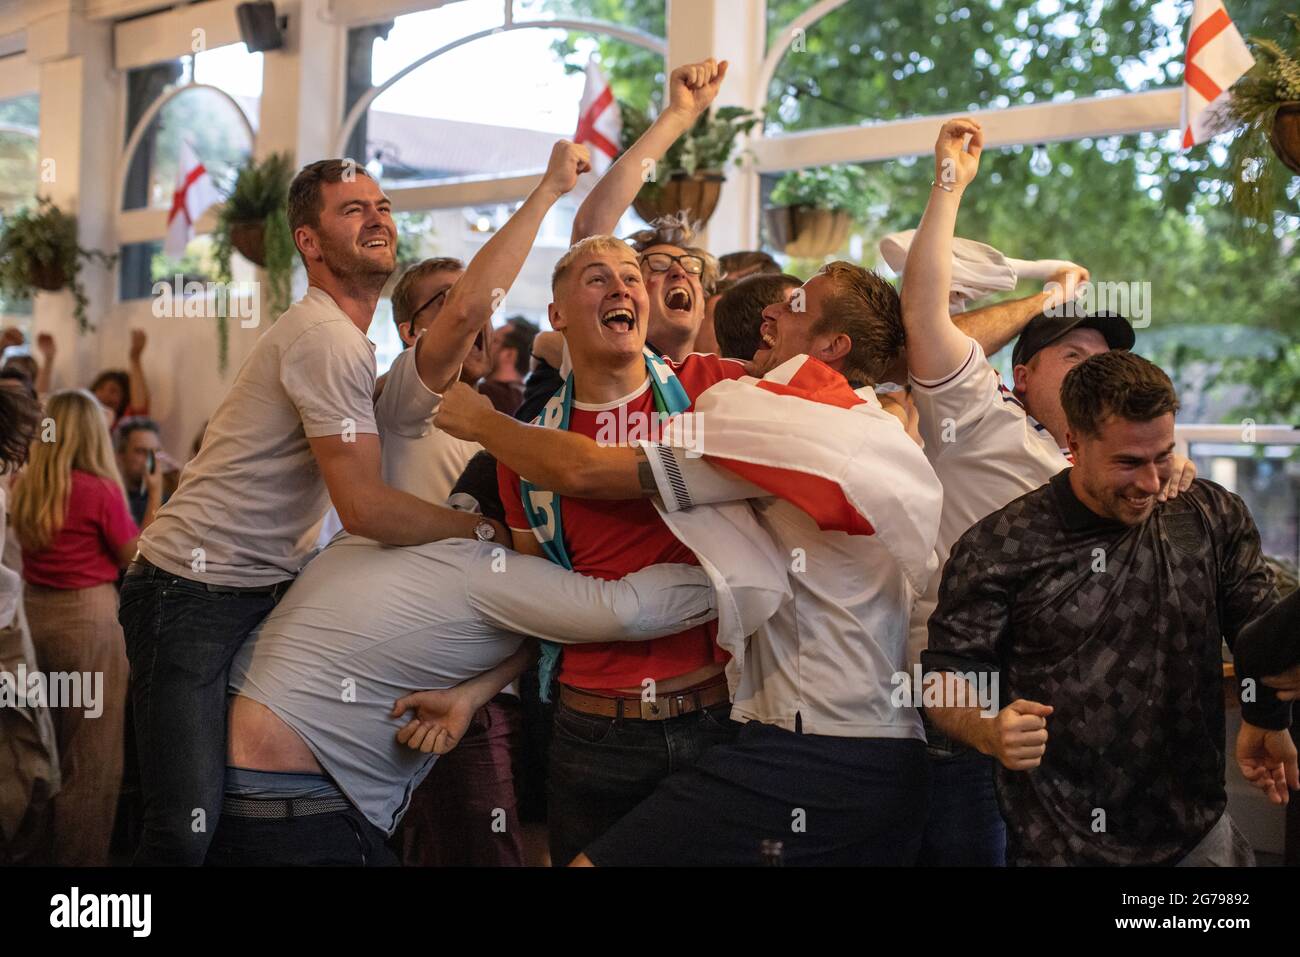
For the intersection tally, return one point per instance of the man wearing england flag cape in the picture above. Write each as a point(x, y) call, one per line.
point(839, 494)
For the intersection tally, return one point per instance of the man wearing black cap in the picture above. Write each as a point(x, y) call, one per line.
point(989, 445)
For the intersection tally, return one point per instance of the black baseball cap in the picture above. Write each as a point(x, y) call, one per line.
point(1043, 330)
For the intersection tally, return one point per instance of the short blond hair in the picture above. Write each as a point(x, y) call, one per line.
point(600, 243)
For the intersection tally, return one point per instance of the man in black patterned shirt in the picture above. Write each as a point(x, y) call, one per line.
point(1099, 613)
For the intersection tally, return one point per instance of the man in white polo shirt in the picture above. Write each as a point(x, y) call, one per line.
point(989, 445)
point(295, 431)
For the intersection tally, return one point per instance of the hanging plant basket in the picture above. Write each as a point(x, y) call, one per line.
point(51, 277)
point(806, 231)
point(249, 239)
point(697, 195)
point(1286, 135)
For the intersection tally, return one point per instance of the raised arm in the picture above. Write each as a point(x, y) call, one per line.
point(45, 344)
point(139, 399)
point(691, 89)
point(936, 347)
point(372, 509)
point(477, 294)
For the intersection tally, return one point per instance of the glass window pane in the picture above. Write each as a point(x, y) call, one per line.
point(425, 128)
point(873, 60)
point(1150, 222)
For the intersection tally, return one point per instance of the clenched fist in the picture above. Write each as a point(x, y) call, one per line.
point(692, 88)
point(955, 161)
point(461, 412)
point(568, 162)
point(1018, 735)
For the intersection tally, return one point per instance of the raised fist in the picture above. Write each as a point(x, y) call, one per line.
point(692, 88)
point(955, 161)
point(568, 162)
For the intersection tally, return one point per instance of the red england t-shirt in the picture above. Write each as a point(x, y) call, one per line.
point(609, 539)
point(84, 551)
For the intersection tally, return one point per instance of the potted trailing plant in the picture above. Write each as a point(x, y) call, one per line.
point(254, 221)
point(39, 250)
point(813, 209)
point(690, 176)
point(1264, 105)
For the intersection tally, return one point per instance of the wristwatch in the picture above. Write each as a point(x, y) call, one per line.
point(484, 532)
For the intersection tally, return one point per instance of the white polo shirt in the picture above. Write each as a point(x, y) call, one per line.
point(987, 451)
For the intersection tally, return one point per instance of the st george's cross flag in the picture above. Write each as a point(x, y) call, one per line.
point(194, 194)
point(600, 126)
point(1216, 57)
point(801, 433)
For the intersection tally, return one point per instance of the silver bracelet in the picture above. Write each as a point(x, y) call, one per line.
point(943, 186)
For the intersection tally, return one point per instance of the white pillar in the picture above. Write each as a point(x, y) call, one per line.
point(302, 85)
point(80, 138)
point(736, 31)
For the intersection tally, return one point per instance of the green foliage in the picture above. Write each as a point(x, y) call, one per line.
point(414, 232)
point(43, 239)
point(1258, 177)
point(1132, 208)
point(635, 74)
point(848, 188)
point(705, 148)
point(260, 193)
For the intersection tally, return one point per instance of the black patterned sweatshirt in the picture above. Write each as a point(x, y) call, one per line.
point(1120, 629)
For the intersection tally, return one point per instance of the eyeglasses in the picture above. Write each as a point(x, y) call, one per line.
point(662, 262)
point(440, 294)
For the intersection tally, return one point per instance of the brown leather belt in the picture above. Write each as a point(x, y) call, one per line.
point(660, 708)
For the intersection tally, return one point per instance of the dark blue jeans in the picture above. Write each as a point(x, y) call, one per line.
point(965, 826)
point(337, 839)
point(601, 768)
point(181, 636)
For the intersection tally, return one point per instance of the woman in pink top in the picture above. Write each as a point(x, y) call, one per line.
point(70, 515)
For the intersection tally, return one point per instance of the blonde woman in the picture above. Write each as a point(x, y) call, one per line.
point(70, 514)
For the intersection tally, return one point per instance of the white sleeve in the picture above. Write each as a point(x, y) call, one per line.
point(949, 406)
point(406, 406)
point(532, 596)
point(685, 480)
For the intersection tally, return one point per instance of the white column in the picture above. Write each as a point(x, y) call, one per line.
point(732, 30)
point(302, 85)
point(80, 138)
